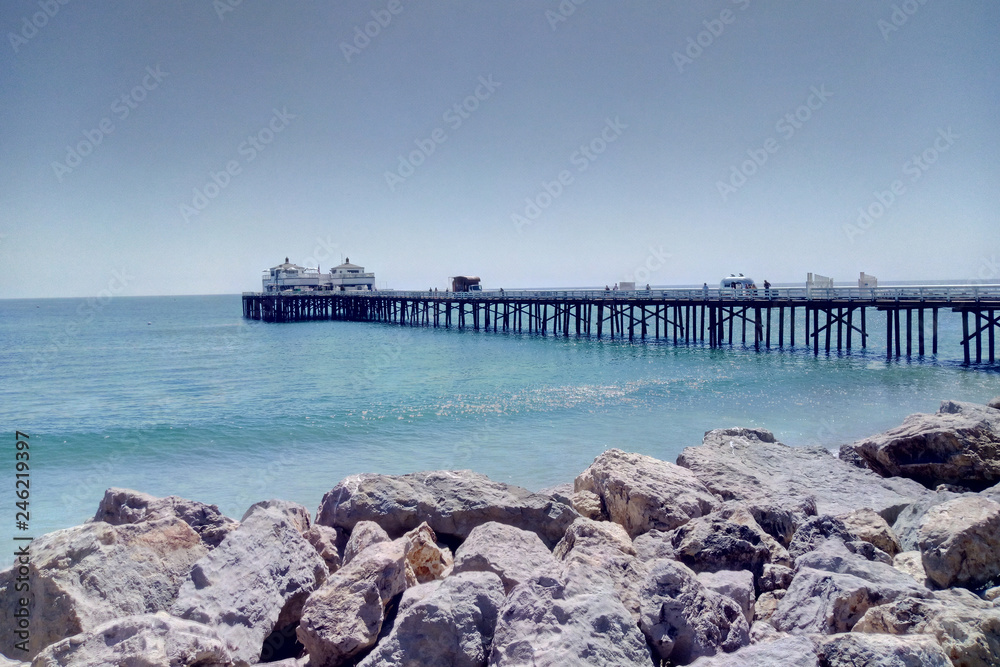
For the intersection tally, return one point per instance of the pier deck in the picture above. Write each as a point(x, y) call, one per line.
point(833, 318)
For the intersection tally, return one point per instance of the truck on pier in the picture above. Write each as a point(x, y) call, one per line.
point(466, 284)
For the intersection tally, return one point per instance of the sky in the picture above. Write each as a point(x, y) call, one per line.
point(182, 147)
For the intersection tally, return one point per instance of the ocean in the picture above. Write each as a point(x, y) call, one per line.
point(181, 395)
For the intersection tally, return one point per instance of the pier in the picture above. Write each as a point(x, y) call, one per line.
point(831, 318)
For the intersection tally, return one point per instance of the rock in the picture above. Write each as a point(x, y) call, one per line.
point(508, 552)
point(907, 524)
point(296, 514)
point(727, 539)
point(748, 465)
point(967, 627)
point(788, 650)
point(325, 541)
point(775, 577)
point(993, 493)
point(683, 620)
point(735, 584)
point(451, 625)
point(960, 542)
point(254, 583)
point(588, 504)
point(762, 631)
point(869, 526)
point(124, 506)
point(815, 531)
point(908, 562)
point(854, 648)
point(344, 617)
point(84, 576)
point(598, 555)
point(994, 403)
point(148, 640)
point(542, 626)
point(781, 520)
point(363, 535)
point(427, 560)
point(561, 493)
point(992, 594)
point(958, 445)
point(654, 544)
point(451, 502)
point(868, 551)
point(833, 588)
point(642, 493)
point(767, 604)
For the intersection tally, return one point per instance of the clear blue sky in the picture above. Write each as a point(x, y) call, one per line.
point(687, 140)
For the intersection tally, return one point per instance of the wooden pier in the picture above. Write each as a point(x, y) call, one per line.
point(832, 318)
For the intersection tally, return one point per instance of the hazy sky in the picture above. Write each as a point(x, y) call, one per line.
point(183, 146)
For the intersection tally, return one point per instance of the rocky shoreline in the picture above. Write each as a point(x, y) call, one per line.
point(745, 552)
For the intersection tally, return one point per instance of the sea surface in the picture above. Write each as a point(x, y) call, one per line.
point(181, 395)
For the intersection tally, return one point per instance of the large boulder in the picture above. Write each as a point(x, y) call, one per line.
point(124, 506)
point(428, 561)
point(363, 535)
point(149, 640)
point(508, 552)
point(541, 625)
point(598, 555)
point(749, 465)
point(727, 539)
point(451, 502)
point(868, 525)
point(84, 576)
point(841, 650)
point(642, 493)
point(344, 617)
point(816, 531)
point(788, 650)
point(735, 584)
point(960, 542)
point(967, 627)
point(833, 588)
point(854, 648)
point(683, 620)
point(960, 444)
point(447, 623)
point(296, 514)
point(254, 583)
point(907, 524)
point(328, 543)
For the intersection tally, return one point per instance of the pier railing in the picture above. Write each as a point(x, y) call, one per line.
point(945, 293)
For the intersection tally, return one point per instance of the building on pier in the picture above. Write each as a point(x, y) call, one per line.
point(295, 278)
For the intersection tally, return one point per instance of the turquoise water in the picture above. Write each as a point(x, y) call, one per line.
point(180, 395)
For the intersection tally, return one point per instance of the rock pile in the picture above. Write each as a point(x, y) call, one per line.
point(745, 552)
